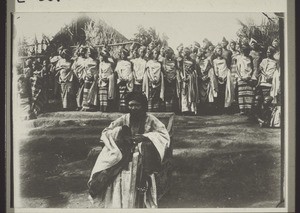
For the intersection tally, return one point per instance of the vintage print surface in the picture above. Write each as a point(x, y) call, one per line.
point(148, 110)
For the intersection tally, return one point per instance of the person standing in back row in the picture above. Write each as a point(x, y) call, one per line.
point(78, 68)
point(245, 76)
point(90, 91)
point(207, 82)
point(188, 84)
point(171, 78)
point(256, 56)
point(226, 53)
point(268, 67)
point(153, 82)
point(139, 68)
point(106, 83)
point(222, 73)
point(235, 55)
point(124, 78)
point(66, 80)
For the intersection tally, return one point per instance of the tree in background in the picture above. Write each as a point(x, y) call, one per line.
point(146, 36)
point(23, 47)
point(264, 33)
point(100, 33)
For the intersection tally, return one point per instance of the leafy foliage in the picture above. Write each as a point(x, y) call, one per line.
point(100, 33)
point(146, 36)
point(264, 33)
point(23, 47)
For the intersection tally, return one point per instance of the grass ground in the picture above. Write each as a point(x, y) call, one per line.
point(224, 161)
point(219, 161)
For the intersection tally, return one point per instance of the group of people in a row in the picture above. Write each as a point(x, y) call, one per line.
point(192, 81)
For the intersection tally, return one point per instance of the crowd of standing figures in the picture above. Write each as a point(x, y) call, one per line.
point(231, 77)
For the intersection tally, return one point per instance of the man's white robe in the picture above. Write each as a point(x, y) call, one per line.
point(122, 192)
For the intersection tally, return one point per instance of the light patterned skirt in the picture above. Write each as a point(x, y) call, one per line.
point(245, 96)
point(122, 96)
point(103, 98)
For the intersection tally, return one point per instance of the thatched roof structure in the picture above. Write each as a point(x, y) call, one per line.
point(85, 31)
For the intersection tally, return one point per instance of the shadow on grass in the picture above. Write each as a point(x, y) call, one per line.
point(65, 178)
point(224, 179)
point(63, 149)
point(50, 168)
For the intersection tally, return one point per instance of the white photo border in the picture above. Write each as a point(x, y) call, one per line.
point(285, 6)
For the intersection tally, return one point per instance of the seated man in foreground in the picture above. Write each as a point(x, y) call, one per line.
point(135, 144)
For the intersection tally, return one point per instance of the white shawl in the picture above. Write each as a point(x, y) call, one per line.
point(156, 131)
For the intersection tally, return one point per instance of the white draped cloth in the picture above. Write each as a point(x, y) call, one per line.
point(268, 67)
point(244, 68)
point(270, 76)
point(91, 68)
point(122, 192)
point(139, 67)
point(107, 77)
point(224, 76)
point(206, 69)
point(154, 78)
point(124, 71)
point(79, 67)
point(64, 68)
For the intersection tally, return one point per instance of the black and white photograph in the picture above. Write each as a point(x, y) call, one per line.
point(152, 110)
